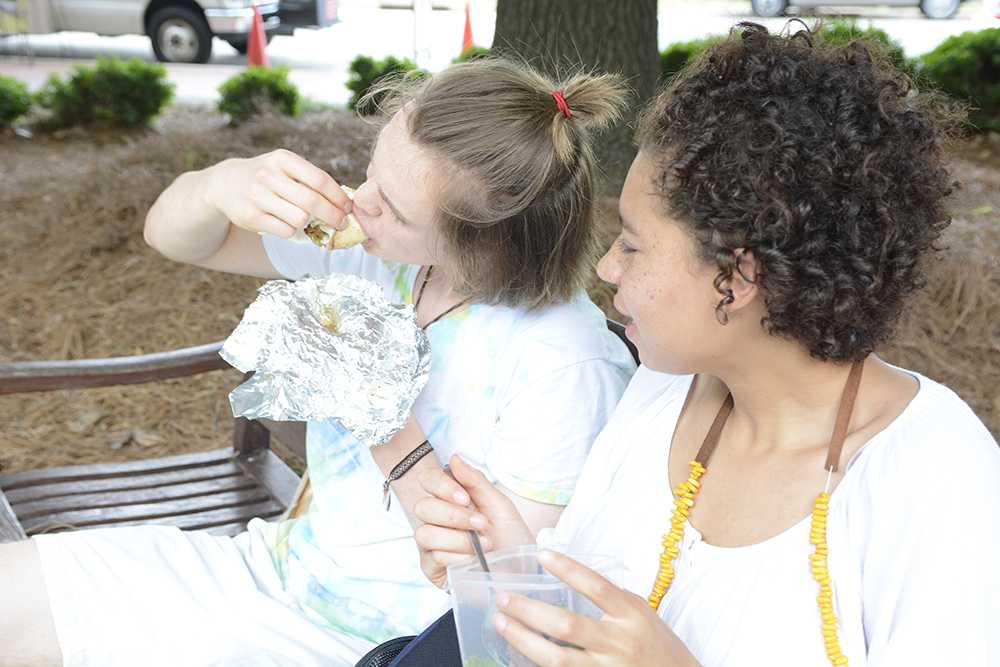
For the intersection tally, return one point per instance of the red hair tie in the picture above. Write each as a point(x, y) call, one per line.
point(561, 103)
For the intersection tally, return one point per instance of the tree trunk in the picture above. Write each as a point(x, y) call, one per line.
point(608, 35)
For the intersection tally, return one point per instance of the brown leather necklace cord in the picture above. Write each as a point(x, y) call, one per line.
point(839, 429)
point(712, 439)
point(420, 295)
point(844, 416)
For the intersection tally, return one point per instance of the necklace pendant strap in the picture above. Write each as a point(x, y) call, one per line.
point(441, 315)
point(844, 413)
point(715, 432)
point(844, 416)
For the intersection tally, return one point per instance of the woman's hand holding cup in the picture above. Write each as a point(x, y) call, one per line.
point(461, 501)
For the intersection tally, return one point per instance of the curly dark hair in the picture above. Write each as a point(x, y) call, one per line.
point(823, 160)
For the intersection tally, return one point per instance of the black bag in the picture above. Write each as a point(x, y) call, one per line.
point(437, 646)
point(383, 654)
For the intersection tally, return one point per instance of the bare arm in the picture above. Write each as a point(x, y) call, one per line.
point(184, 227)
point(410, 491)
point(407, 488)
point(214, 217)
point(537, 515)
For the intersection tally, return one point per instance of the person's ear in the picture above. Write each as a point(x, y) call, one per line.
point(742, 285)
point(744, 279)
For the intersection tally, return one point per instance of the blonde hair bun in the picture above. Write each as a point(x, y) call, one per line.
point(515, 180)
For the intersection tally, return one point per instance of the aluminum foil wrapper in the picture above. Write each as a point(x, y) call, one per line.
point(330, 347)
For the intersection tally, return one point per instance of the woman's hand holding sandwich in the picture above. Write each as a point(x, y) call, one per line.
point(214, 217)
point(275, 193)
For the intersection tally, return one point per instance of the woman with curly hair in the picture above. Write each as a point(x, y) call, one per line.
point(827, 507)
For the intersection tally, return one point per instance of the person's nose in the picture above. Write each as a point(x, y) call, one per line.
point(609, 268)
point(366, 198)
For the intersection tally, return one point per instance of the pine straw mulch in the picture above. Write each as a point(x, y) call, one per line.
point(83, 284)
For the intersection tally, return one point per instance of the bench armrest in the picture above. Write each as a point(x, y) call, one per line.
point(33, 376)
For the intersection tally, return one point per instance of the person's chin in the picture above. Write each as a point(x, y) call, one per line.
point(390, 255)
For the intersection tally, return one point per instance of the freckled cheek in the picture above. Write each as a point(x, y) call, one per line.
point(659, 298)
point(652, 303)
point(640, 293)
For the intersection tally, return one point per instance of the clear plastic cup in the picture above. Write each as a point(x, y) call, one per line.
point(514, 570)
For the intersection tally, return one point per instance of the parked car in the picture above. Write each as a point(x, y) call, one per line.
point(935, 9)
point(181, 30)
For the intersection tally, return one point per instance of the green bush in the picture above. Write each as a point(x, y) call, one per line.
point(967, 67)
point(844, 32)
point(366, 72)
point(677, 55)
point(15, 100)
point(119, 93)
point(472, 54)
point(259, 88)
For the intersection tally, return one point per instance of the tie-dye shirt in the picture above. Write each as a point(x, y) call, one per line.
point(521, 395)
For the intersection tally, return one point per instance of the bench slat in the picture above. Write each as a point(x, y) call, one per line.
point(219, 473)
point(228, 529)
point(221, 517)
point(147, 512)
point(204, 520)
point(107, 471)
point(203, 490)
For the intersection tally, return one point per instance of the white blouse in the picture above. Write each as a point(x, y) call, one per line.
point(913, 533)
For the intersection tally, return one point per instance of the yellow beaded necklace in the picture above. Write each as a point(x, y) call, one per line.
point(686, 491)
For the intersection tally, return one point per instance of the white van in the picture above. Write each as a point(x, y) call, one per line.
point(181, 30)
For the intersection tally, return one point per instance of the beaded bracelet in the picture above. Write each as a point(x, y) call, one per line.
point(401, 468)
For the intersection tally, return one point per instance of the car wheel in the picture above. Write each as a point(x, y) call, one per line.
point(180, 36)
point(939, 9)
point(769, 7)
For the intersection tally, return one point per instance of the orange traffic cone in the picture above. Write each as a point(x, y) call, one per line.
point(467, 36)
point(257, 42)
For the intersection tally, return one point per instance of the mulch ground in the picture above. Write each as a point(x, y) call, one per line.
point(81, 283)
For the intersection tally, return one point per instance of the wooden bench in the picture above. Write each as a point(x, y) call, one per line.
point(219, 491)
